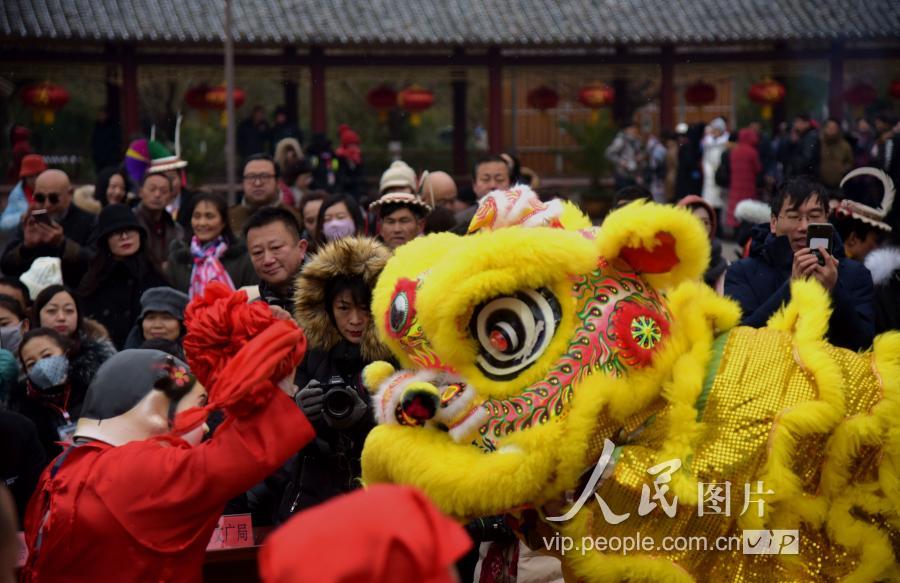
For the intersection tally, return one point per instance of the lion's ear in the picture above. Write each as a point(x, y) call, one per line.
point(667, 245)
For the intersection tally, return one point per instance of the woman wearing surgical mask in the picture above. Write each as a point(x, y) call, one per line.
point(54, 392)
point(58, 308)
point(13, 324)
point(339, 217)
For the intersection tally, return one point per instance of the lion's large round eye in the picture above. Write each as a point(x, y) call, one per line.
point(402, 311)
point(513, 331)
point(399, 312)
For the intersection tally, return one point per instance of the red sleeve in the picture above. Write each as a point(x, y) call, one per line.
point(167, 495)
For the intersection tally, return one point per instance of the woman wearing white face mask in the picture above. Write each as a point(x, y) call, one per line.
point(53, 396)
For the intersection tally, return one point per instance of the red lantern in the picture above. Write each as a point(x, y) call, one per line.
point(44, 98)
point(895, 89)
point(595, 96)
point(196, 97)
point(216, 99)
point(415, 100)
point(542, 98)
point(860, 95)
point(382, 99)
point(767, 93)
point(700, 94)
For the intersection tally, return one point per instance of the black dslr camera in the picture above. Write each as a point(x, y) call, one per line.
point(342, 406)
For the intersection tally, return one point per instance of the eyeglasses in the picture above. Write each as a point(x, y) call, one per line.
point(796, 218)
point(124, 233)
point(258, 177)
point(41, 198)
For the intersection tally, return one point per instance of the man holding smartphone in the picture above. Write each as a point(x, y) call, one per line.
point(52, 227)
point(781, 252)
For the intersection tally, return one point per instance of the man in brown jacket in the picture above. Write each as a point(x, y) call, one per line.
point(835, 155)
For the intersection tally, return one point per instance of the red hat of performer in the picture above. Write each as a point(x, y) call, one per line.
point(382, 534)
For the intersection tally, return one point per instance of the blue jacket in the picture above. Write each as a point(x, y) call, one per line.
point(761, 284)
point(16, 206)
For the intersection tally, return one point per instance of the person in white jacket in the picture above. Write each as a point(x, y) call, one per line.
point(714, 144)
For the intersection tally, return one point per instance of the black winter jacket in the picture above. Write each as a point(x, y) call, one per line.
point(330, 465)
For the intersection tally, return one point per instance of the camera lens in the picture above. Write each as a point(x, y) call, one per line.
point(338, 403)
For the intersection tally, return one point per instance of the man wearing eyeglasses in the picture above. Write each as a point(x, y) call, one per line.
point(260, 182)
point(779, 254)
point(52, 227)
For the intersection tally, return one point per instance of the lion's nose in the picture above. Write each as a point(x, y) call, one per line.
point(420, 401)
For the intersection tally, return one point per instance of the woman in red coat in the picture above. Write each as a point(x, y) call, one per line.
point(745, 168)
point(138, 497)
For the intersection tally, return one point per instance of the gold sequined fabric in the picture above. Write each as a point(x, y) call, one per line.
point(758, 378)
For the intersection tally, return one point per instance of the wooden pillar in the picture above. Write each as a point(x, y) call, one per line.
point(318, 120)
point(291, 88)
point(495, 101)
point(621, 110)
point(459, 87)
point(130, 107)
point(113, 95)
point(667, 89)
point(836, 81)
point(779, 110)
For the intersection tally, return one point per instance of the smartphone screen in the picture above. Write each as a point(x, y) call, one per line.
point(820, 236)
point(41, 216)
point(818, 243)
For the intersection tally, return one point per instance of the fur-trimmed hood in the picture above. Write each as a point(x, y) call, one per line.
point(351, 256)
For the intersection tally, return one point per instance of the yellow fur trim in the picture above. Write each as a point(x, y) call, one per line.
point(572, 218)
point(376, 373)
point(638, 223)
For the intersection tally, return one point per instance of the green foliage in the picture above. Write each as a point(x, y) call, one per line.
point(590, 158)
point(203, 146)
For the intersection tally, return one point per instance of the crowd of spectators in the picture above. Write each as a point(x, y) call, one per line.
point(307, 239)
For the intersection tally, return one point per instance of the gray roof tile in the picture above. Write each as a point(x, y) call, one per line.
point(451, 22)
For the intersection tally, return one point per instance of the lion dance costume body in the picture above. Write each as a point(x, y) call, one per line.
point(531, 343)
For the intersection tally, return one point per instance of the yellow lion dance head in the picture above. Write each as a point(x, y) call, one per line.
point(530, 344)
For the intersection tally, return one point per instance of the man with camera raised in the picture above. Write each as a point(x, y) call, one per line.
point(332, 297)
point(784, 250)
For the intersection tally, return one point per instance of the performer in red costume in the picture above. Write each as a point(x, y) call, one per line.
point(136, 498)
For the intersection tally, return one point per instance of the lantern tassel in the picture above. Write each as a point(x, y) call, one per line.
point(415, 120)
point(595, 117)
point(767, 112)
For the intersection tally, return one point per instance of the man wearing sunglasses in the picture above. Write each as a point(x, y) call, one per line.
point(62, 231)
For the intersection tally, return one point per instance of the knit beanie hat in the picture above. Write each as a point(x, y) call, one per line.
point(399, 174)
point(117, 217)
point(166, 300)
